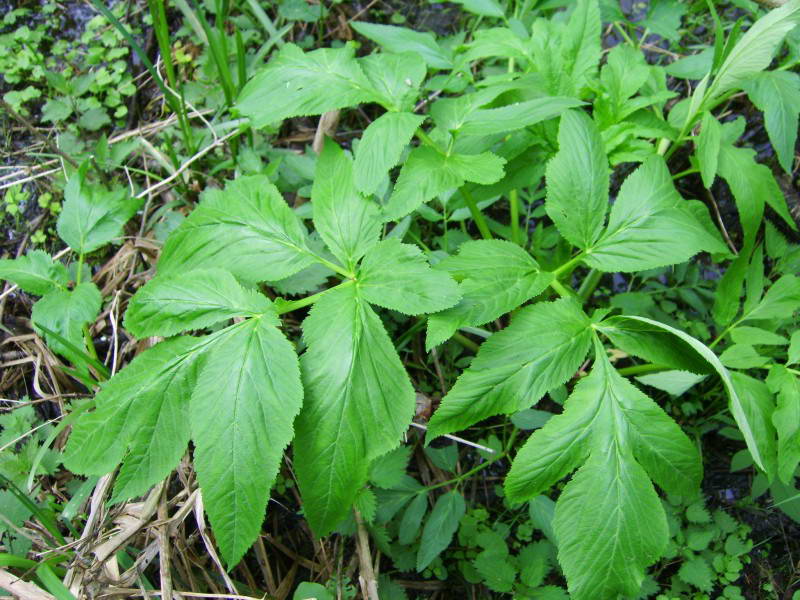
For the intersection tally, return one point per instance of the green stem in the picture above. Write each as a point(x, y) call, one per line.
point(725, 331)
point(685, 173)
point(513, 200)
point(79, 273)
point(466, 342)
point(642, 369)
point(569, 265)
point(334, 267)
point(425, 138)
point(562, 290)
point(477, 216)
point(284, 306)
point(589, 284)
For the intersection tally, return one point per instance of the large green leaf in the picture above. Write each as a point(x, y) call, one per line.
point(66, 312)
point(381, 146)
point(348, 223)
point(398, 276)
point(395, 78)
point(297, 83)
point(738, 409)
point(577, 181)
point(172, 304)
point(580, 44)
point(777, 94)
point(247, 229)
point(495, 277)
point(142, 416)
point(754, 51)
point(758, 405)
point(36, 272)
point(650, 225)
point(542, 348)
point(488, 121)
point(402, 39)
point(625, 440)
point(241, 420)
point(358, 403)
point(428, 172)
point(93, 215)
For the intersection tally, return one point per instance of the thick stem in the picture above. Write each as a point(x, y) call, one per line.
point(477, 215)
point(366, 575)
point(513, 200)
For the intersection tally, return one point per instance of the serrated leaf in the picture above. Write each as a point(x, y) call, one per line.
point(740, 414)
point(358, 403)
point(781, 301)
point(400, 39)
point(577, 181)
point(388, 470)
point(142, 410)
point(777, 95)
point(348, 223)
point(696, 572)
point(708, 145)
point(542, 347)
point(381, 146)
point(495, 277)
point(580, 43)
point(241, 421)
point(650, 225)
point(297, 83)
point(440, 527)
point(412, 519)
point(754, 51)
point(365, 504)
point(247, 229)
point(395, 77)
point(66, 312)
point(428, 172)
point(742, 356)
point(93, 215)
point(36, 272)
point(189, 301)
point(398, 276)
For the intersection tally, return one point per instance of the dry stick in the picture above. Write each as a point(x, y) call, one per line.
point(22, 589)
point(366, 576)
point(456, 439)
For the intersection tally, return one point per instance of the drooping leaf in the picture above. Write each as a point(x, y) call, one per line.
point(142, 411)
point(398, 276)
point(247, 229)
point(93, 215)
point(495, 277)
point(440, 527)
point(36, 272)
point(241, 421)
point(381, 146)
point(650, 225)
point(348, 223)
point(402, 39)
point(577, 181)
point(189, 301)
point(358, 403)
point(754, 51)
point(777, 94)
point(66, 312)
point(542, 348)
point(297, 83)
point(428, 172)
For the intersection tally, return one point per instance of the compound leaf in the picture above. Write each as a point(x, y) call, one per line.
point(189, 301)
point(241, 421)
point(348, 223)
point(297, 83)
point(36, 272)
point(542, 348)
point(495, 277)
point(247, 229)
point(358, 402)
point(398, 276)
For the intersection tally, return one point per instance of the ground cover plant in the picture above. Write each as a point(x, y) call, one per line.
point(504, 311)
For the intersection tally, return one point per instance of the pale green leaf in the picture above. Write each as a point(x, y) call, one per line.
point(395, 78)
point(794, 349)
point(495, 277)
point(675, 383)
point(577, 181)
point(580, 44)
point(246, 228)
point(189, 301)
point(66, 312)
point(754, 51)
point(497, 42)
point(358, 403)
point(742, 356)
point(241, 421)
point(758, 406)
point(348, 223)
point(777, 94)
point(401, 39)
point(93, 215)
point(485, 8)
point(398, 276)
point(35, 272)
point(297, 83)
point(707, 148)
point(542, 348)
point(488, 121)
point(440, 527)
point(755, 336)
point(781, 301)
point(381, 146)
point(427, 173)
point(650, 225)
